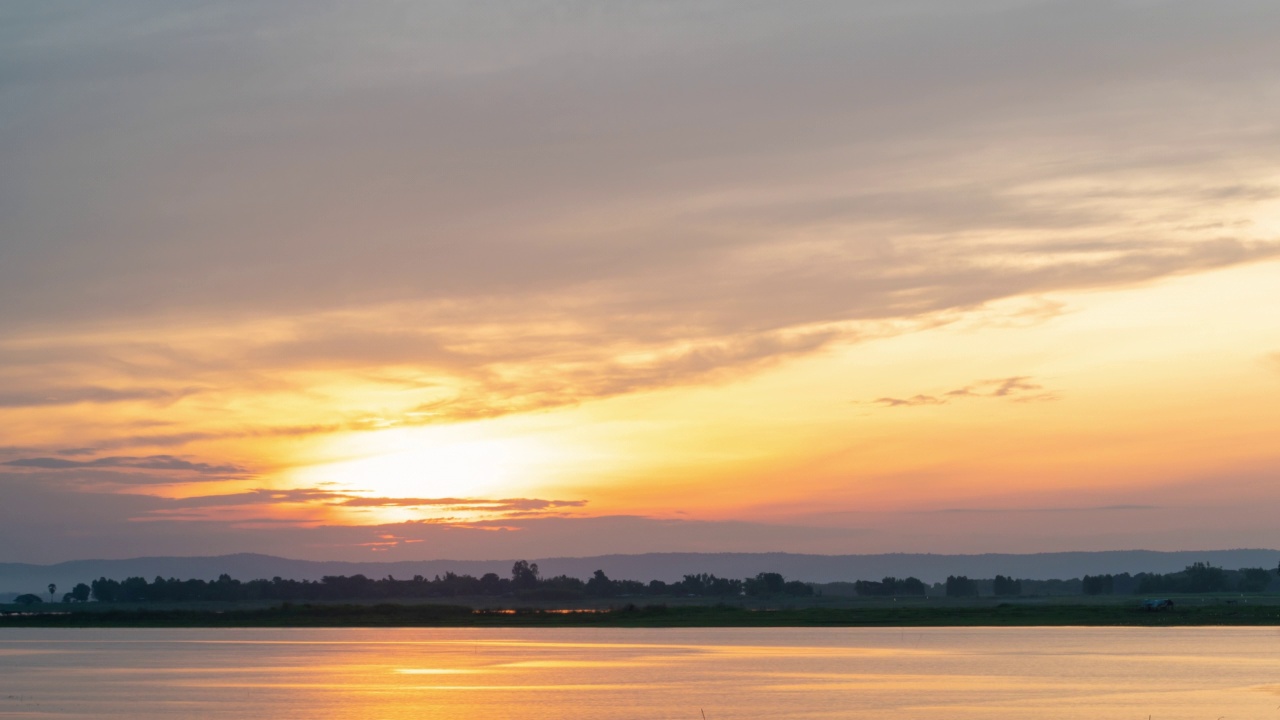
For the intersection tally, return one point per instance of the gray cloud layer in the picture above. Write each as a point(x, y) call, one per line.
point(152, 462)
point(666, 157)
point(96, 395)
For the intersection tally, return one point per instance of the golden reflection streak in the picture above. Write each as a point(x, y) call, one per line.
point(745, 651)
point(953, 682)
point(553, 688)
point(577, 664)
point(351, 688)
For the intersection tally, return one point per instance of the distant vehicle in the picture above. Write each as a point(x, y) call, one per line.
point(1157, 604)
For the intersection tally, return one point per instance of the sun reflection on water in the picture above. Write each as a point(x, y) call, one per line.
point(604, 674)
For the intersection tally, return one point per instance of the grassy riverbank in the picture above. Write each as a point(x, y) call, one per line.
point(1261, 611)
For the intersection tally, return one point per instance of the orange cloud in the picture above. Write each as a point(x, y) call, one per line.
point(1019, 389)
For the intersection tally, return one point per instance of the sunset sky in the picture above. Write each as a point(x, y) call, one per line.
point(483, 280)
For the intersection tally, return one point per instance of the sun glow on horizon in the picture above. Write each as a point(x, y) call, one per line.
point(434, 465)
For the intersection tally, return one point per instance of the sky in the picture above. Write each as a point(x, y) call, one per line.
point(482, 280)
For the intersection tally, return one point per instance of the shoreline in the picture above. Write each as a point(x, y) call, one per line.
point(431, 615)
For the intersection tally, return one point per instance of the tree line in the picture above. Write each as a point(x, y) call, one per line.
point(1195, 578)
point(524, 583)
point(527, 583)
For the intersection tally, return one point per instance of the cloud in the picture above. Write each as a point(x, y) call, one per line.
point(95, 395)
point(1018, 389)
point(911, 401)
point(293, 503)
point(174, 439)
point(717, 189)
point(151, 462)
point(457, 363)
point(1065, 509)
point(248, 498)
point(505, 505)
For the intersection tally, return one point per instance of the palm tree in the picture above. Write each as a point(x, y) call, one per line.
point(52, 589)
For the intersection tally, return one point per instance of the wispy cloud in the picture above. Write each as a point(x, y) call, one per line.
point(1064, 509)
point(151, 462)
point(227, 506)
point(912, 401)
point(505, 505)
point(1020, 388)
point(95, 395)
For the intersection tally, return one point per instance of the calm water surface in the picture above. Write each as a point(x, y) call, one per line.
point(601, 674)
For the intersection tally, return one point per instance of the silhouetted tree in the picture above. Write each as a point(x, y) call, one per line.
point(560, 587)
point(524, 575)
point(1098, 584)
point(961, 586)
point(630, 587)
point(1196, 578)
point(708, 584)
point(105, 590)
point(601, 586)
point(765, 583)
point(797, 588)
point(227, 589)
point(490, 584)
point(890, 586)
point(1253, 580)
point(134, 589)
point(52, 589)
point(694, 584)
point(1202, 577)
point(1125, 584)
point(1005, 586)
point(871, 588)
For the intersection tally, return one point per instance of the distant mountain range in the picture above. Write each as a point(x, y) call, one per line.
point(22, 577)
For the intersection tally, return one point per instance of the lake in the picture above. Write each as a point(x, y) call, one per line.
point(614, 674)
